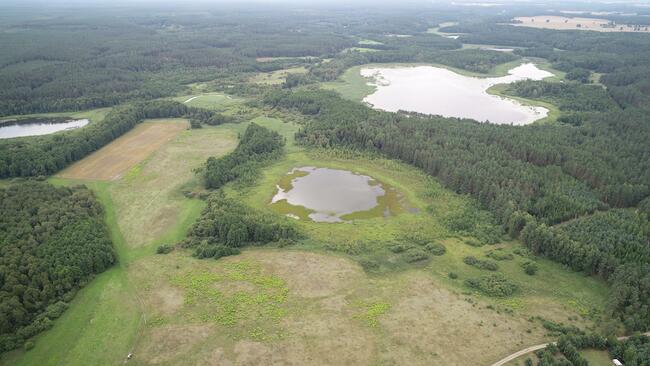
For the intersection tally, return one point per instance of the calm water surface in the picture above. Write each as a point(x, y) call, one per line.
point(330, 193)
point(436, 90)
point(39, 127)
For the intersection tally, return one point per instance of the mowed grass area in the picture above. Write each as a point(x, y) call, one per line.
point(214, 101)
point(112, 161)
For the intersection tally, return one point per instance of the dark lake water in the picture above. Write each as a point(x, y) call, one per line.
point(34, 127)
point(328, 195)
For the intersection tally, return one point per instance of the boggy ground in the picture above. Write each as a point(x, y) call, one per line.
point(329, 312)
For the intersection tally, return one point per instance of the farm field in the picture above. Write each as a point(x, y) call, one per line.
point(571, 23)
point(114, 160)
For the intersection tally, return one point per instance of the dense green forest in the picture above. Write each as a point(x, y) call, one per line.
point(257, 145)
point(52, 242)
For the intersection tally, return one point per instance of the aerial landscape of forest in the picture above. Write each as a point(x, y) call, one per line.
point(325, 183)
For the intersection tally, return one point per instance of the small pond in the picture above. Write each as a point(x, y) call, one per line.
point(40, 126)
point(332, 195)
point(439, 91)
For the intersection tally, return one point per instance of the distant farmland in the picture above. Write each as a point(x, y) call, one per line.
point(570, 23)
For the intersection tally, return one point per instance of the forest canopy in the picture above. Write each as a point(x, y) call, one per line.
point(52, 242)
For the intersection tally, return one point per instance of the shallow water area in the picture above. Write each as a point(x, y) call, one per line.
point(36, 127)
point(439, 91)
point(332, 195)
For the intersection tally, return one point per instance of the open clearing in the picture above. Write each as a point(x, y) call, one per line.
point(571, 23)
point(114, 159)
point(276, 77)
point(209, 100)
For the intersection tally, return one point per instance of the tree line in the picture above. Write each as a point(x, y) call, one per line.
point(48, 154)
point(256, 146)
point(52, 242)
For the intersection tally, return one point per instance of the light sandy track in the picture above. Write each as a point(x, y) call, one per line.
point(191, 99)
point(535, 348)
point(520, 353)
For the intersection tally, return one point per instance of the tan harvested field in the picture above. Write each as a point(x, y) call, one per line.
point(571, 23)
point(113, 160)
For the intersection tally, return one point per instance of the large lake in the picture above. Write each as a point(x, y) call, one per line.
point(436, 90)
point(332, 195)
point(38, 127)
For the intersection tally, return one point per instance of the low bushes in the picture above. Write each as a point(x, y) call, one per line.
point(481, 263)
point(496, 285)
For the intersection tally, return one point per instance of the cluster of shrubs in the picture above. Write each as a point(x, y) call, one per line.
point(481, 263)
point(416, 248)
point(496, 285)
point(530, 268)
point(500, 255)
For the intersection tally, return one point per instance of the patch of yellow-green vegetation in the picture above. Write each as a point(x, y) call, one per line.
point(371, 311)
point(351, 85)
point(390, 203)
point(361, 49)
point(596, 357)
point(294, 211)
point(436, 30)
point(276, 77)
point(239, 294)
point(286, 182)
point(369, 41)
point(133, 173)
